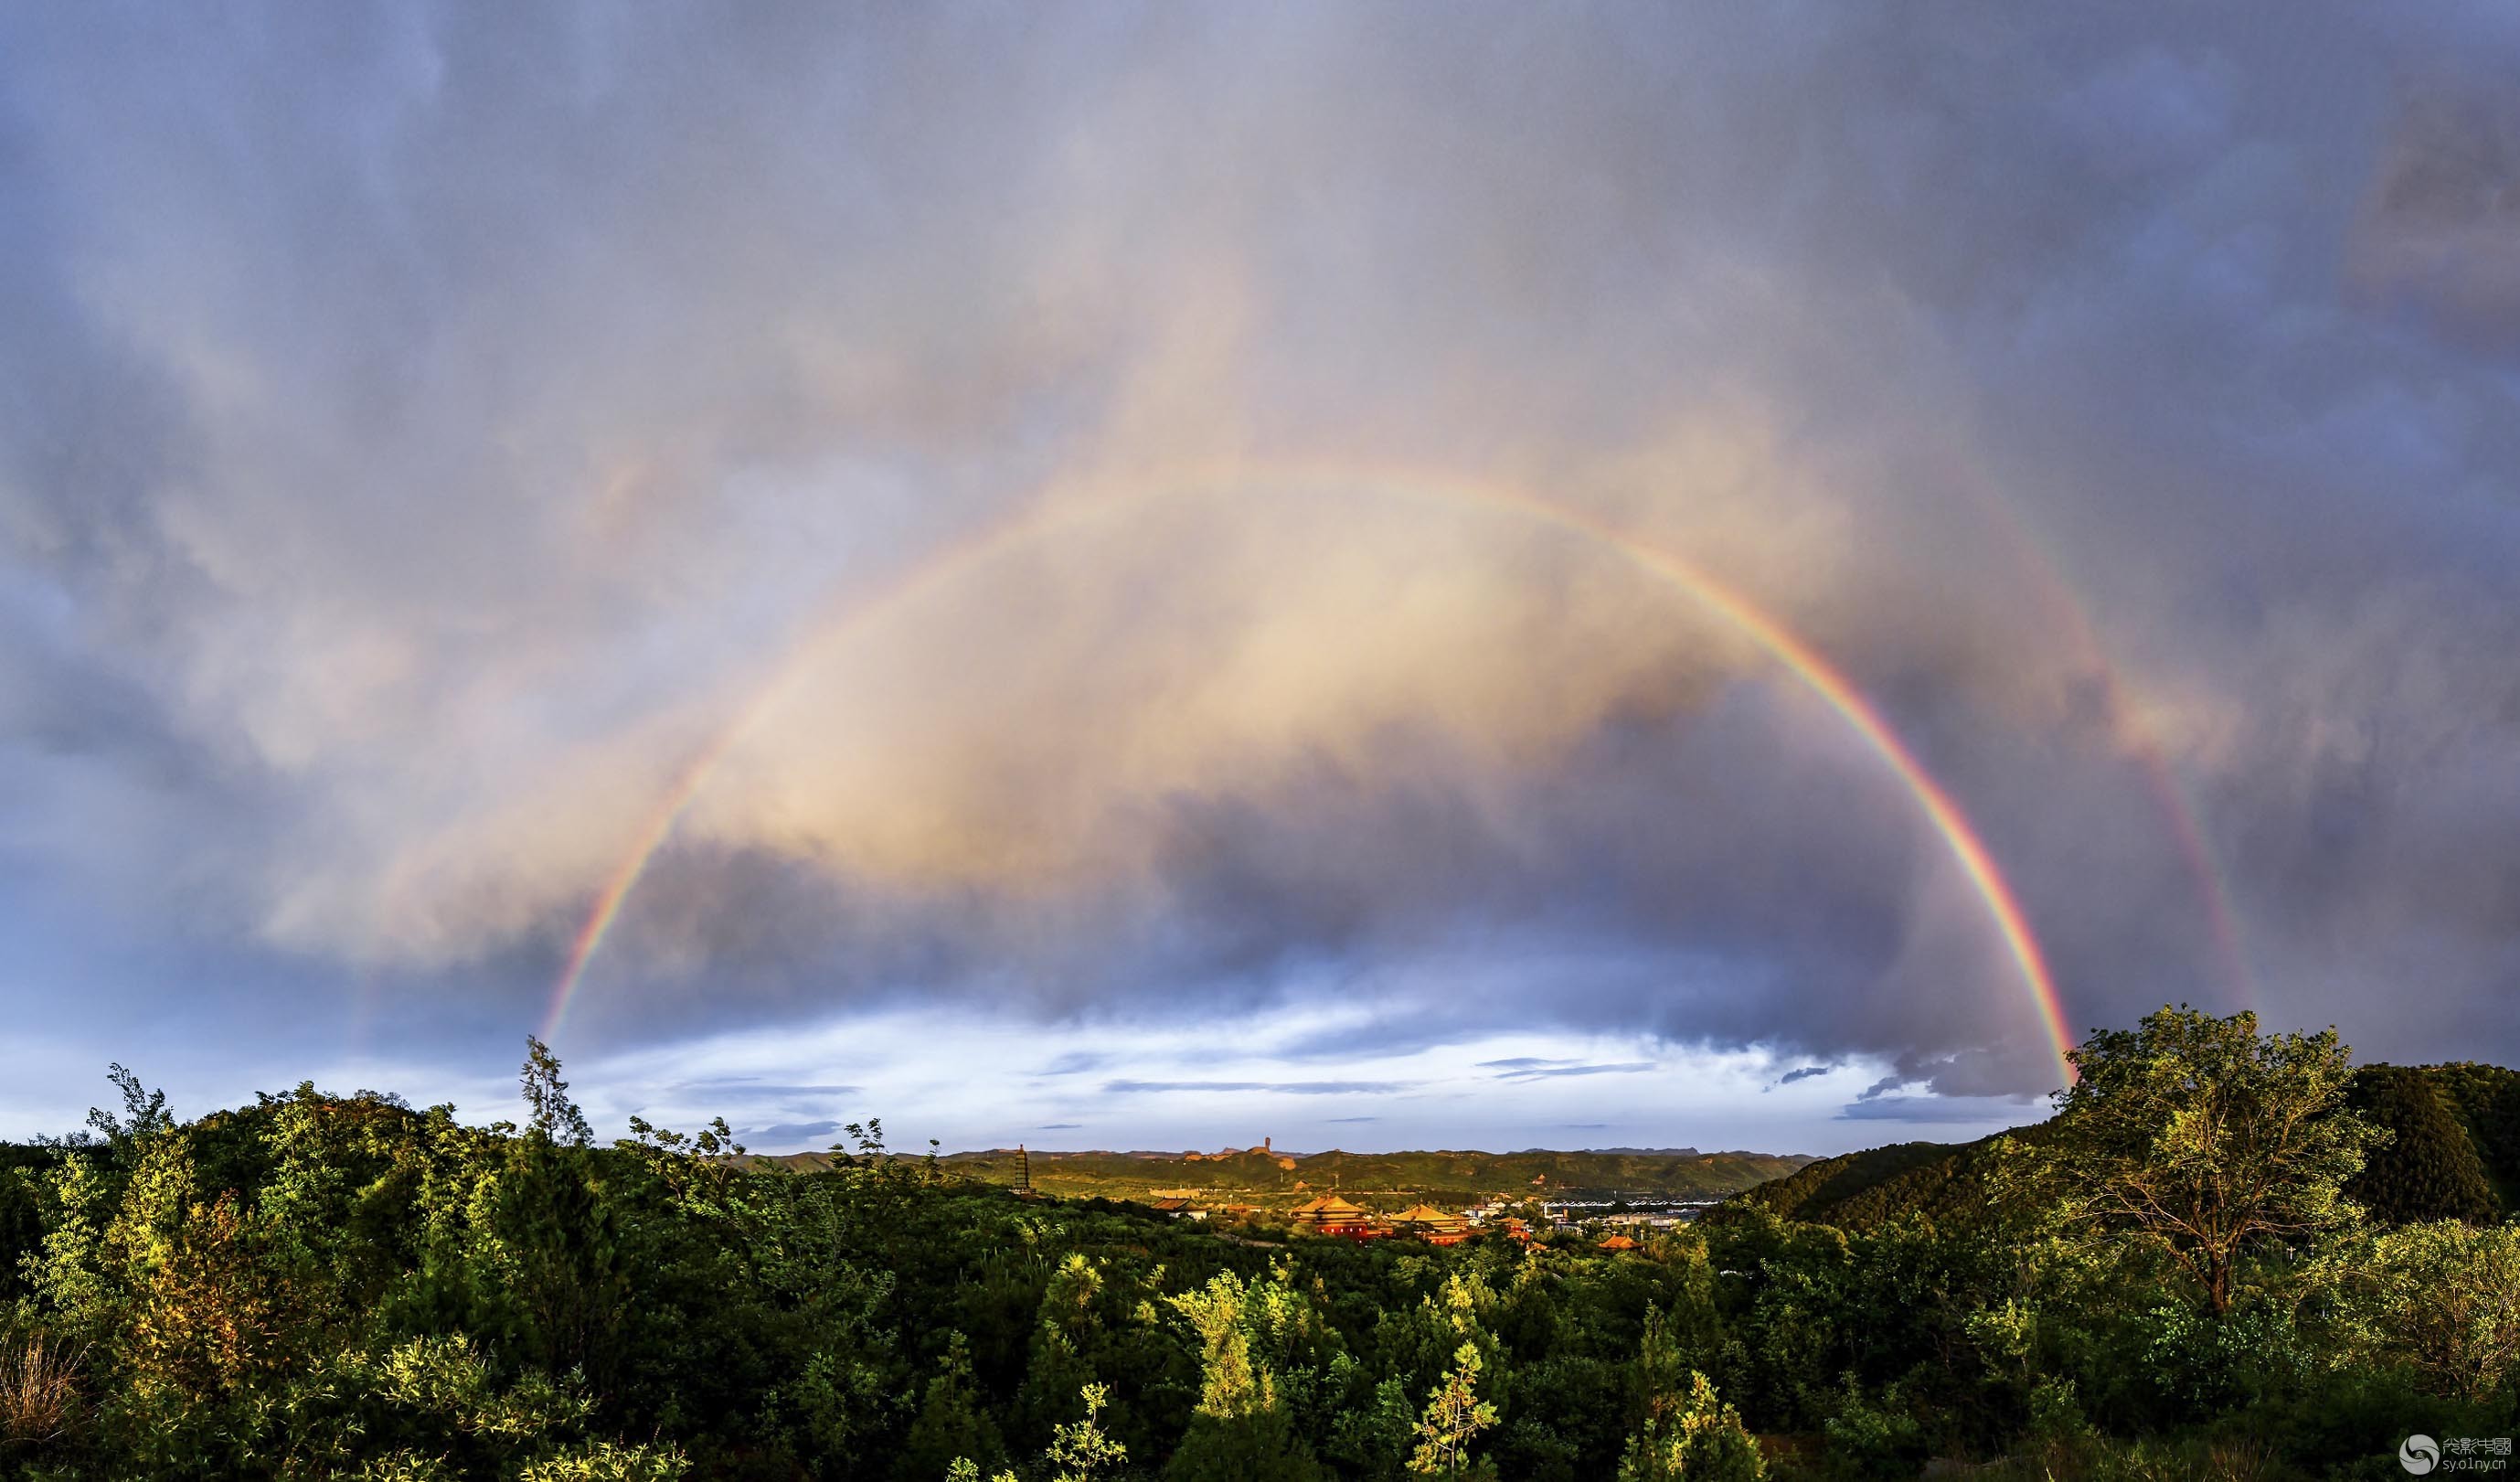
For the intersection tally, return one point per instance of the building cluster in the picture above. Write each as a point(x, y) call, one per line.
point(1667, 1218)
point(1330, 1215)
point(1335, 1217)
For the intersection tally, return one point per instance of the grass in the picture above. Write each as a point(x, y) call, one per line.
point(39, 1397)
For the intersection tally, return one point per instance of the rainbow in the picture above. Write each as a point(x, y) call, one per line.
point(2161, 779)
point(1044, 516)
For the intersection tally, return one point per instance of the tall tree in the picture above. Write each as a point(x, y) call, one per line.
point(553, 1114)
point(2202, 1139)
point(1241, 1432)
point(953, 1422)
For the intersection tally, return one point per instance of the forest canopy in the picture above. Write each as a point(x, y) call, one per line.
point(2229, 1253)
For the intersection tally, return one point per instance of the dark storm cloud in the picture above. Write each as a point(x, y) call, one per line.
point(1804, 1074)
point(2441, 224)
point(421, 430)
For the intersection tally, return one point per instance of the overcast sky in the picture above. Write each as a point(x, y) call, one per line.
point(1041, 482)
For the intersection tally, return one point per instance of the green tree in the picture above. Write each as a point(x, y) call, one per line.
point(1241, 1432)
point(1230, 1386)
point(2198, 1138)
point(1685, 1429)
point(1372, 1437)
point(1069, 1332)
point(551, 1112)
point(953, 1420)
point(143, 1112)
point(1691, 1435)
point(1261, 1447)
point(1078, 1450)
point(2441, 1299)
point(1455, 1415)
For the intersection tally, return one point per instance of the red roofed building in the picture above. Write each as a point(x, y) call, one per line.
point(1330, 1215)
point(1431, 1224)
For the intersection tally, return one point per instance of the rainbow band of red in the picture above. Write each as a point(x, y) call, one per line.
point(1790, 652)
point(652, 836)
point(1809, 665)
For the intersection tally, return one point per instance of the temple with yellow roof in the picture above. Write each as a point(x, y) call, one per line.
point(1431, 1224)
point(1330, 1215)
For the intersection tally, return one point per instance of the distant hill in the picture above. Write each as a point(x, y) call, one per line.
point(2456, 1148)
point(1262, 1174)
point(2453, 1153)
point(1860, 1190)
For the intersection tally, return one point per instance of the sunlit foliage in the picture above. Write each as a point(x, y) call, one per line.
point(331, 1286)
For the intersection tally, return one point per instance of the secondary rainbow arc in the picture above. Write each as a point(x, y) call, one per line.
point(1041, 520)
point(2142, 738)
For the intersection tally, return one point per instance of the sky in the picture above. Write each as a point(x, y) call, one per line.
point(1154, 576)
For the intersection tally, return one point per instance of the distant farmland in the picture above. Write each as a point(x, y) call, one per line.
point(1258, 1177)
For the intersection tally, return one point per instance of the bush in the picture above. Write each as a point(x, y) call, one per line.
point(1698, 1438)
point(2442, 1299)
point(605, 1462)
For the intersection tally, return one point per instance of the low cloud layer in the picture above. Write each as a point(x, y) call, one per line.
point(1050, 492)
